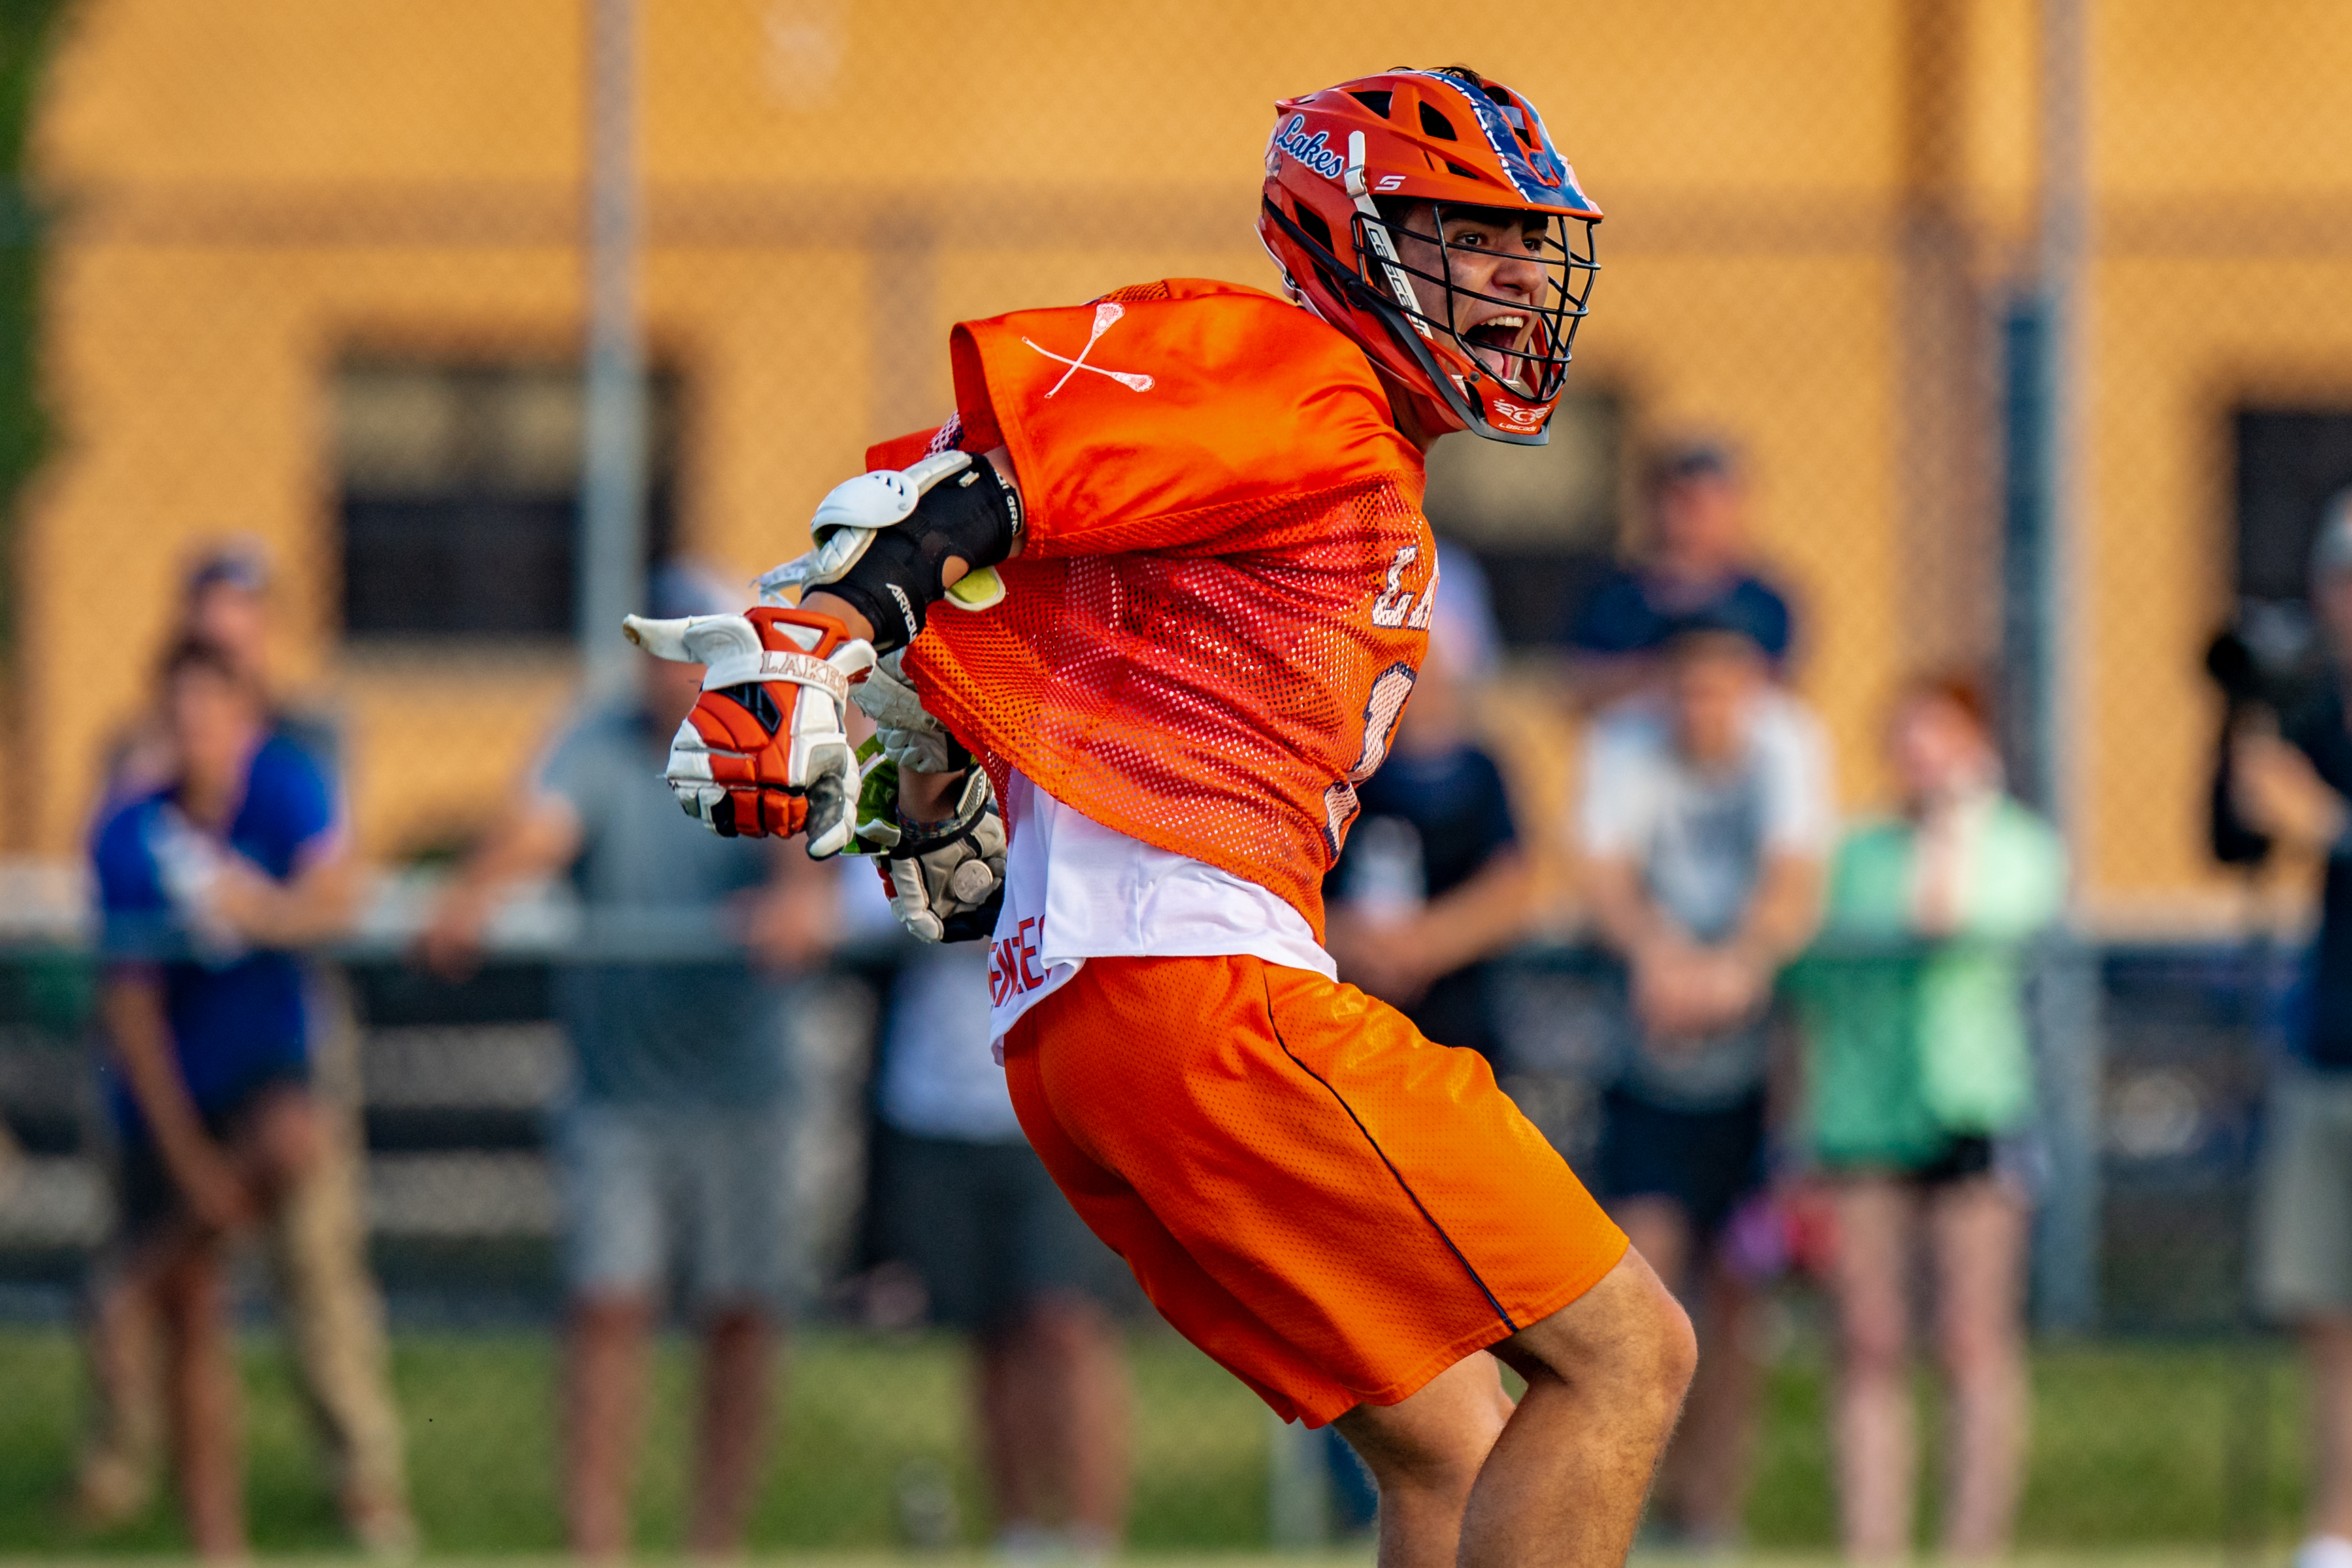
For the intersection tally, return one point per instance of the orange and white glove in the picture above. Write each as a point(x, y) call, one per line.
point(763, 754)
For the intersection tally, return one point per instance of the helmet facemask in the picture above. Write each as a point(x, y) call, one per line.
point(1534, 357)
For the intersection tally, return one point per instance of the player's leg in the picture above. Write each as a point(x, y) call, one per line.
point(1873, 1423)
point(1465, 1476)
point(1606, 1376)
point(1345, 1215)
point(1658, 1225)
point(1425, 1452)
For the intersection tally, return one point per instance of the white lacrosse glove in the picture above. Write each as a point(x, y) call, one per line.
point(910, 736)
point(764, 753)
point(856, 510)
point(946, 880)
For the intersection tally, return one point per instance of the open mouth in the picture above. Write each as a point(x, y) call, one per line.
point(1496, 343)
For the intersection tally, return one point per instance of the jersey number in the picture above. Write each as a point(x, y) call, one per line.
point(1381, 709)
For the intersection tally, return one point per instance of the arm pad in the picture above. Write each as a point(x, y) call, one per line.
point(896, 578)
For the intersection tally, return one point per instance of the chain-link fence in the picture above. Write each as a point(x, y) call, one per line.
point(2028, 324)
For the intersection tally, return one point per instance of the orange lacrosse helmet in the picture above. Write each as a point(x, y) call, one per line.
point(1346, 171)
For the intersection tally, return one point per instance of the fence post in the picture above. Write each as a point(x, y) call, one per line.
point(2070, 1049)
point(612, 455)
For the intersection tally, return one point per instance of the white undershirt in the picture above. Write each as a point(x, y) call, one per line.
point(1076, 889)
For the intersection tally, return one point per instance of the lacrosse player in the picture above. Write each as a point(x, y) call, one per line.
point(1178, 531)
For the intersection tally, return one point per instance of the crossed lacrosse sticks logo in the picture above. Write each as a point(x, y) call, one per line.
point(1106, 312)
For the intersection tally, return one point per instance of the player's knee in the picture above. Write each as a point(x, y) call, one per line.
point(1442, 1464)
point(1433, 1444)
point(1666, 1356)
point(1627, 1335)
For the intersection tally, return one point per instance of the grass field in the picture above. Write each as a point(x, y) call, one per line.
point(2130, 1455)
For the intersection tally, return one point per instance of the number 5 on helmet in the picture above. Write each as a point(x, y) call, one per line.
point(763, 754)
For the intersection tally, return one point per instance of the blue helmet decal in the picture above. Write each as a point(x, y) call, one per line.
point(1546, 178)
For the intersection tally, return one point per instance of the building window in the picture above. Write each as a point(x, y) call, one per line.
point(458, 496)
point(2290, 463)
point(1542, 520)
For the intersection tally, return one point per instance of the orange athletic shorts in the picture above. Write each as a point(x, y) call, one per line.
point(1334, 1208)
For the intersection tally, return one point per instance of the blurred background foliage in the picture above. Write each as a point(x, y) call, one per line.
point(27, 29)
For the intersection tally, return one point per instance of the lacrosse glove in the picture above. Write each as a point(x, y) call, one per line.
point(910, 736)
point(763, 754)
point(946, 880)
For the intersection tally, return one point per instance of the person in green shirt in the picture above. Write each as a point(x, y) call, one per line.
point(1918, 1073)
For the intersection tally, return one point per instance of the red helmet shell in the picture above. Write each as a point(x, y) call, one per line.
point(1436, 136)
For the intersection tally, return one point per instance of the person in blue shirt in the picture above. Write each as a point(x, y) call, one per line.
point(208, 884)
point(328, 1300)
point(329, 1308)
point(1694, 561)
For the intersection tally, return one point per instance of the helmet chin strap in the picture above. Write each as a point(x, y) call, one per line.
point(1376, 229)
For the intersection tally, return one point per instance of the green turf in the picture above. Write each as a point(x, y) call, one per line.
point(2131, 1450)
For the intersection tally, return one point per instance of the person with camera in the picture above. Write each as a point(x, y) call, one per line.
point(2288, 778)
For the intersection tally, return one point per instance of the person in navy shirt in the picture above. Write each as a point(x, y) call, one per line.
point(1694, 563)
point(208, 884)
point(1432, 882)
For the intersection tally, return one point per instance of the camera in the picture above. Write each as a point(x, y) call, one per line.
point(2270, 660)
point(2270, 663)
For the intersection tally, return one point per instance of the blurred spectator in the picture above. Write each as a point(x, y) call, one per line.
point(205, 883)
point(1705, 820)
point(224, 600)
point(2291, 787)
point(1694, 560)
point(333, 1310)
point(676, 1126)
point(1432, 884)
point(965, 1204)
point(1918, 1073)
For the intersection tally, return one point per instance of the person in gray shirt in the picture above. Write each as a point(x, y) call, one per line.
point(675, 1129)
point(1704, 823)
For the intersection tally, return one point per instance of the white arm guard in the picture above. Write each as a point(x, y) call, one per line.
point(854, 511)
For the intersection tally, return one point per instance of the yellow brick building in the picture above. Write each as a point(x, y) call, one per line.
point(1816, 208)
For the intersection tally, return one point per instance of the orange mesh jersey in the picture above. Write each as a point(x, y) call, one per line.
point(1223, 590)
